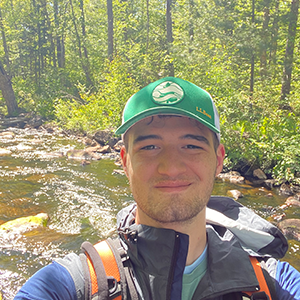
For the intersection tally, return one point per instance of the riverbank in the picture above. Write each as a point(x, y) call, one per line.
point(104, 142)
point(81, 195)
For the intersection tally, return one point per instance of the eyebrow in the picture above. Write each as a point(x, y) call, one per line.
point(199, 138)
point(141, 138)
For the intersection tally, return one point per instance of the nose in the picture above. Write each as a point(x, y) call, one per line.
point(171, 162)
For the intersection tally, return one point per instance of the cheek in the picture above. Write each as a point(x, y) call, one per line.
point(140, 171)
point(205, 168)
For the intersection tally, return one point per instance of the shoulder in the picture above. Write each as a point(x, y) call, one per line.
point(53, 281)
point(287, 281)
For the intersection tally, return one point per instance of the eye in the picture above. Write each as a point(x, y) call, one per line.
point(192, 147)
point(149, 147)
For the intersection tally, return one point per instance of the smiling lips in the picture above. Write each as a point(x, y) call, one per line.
point(172, 186)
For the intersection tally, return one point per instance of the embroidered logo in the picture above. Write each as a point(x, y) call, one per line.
point(167, 93)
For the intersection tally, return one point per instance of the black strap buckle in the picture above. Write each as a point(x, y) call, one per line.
point(114, 287)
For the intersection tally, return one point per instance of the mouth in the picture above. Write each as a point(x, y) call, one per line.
point(172, 186)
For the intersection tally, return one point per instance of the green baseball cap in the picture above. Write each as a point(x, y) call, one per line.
point(171, 96)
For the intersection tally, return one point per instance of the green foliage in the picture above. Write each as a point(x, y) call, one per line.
point(57, 54)
point(101, 109)
point(266, 138)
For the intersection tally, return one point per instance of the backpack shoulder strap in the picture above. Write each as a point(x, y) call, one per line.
point(102, 276)
point(266, 284)
point(107, 271)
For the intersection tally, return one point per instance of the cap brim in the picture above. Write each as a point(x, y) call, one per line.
point(162, 111)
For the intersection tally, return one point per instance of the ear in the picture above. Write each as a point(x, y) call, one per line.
point(220, 158)
point(123, 154)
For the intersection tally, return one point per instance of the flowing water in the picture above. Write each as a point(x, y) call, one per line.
point(81, 200)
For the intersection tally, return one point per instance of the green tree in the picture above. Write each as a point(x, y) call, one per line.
point(289, 52)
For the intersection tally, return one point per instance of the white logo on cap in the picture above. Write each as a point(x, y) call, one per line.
point(167, 93)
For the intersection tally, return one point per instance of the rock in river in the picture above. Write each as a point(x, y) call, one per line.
point(25, 224)
point(4, 152)
point(82, 154)
point(293, 201)
point(290, 228)
point(235, 194)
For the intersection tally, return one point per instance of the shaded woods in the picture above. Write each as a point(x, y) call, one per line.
point(77, 62)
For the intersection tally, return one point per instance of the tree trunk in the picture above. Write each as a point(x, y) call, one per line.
point(49, 55)
point(86, 62)
point(169, 35)
point(60, 49)
point(81, 46)
point(264, 42)
point(110, 30)
point(148, 25)
point(7, 61)
point(274, 38)
point(289, 52)
point(8, 92)
point(252, 61)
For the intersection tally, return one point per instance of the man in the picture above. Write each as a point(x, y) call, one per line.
point(180, 242)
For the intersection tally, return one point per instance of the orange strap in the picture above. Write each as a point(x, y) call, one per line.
point(260, 277)
point(110, 265)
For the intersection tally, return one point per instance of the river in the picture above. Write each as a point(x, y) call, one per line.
point(81, 199)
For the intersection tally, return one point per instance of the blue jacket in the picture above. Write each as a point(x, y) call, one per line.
point(158, 257)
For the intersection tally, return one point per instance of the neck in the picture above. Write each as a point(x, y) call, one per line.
point(195, 229)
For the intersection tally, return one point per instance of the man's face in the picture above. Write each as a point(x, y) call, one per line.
point(171, 165)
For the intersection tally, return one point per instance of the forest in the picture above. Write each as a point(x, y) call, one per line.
point(76, 62)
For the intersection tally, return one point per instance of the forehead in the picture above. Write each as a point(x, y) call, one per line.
point(160, 121)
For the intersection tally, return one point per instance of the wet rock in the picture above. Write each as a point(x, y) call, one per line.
point(36, 141)
point(293, 201)
point(118, 146)
point(89, 142)
point(235, 194)
point(53, 155)
point(7, 135)
point(19, 121)
point(119, 171)
point(105, 149)
point(4, 152)
point(106, 137)
point(99, 149)
point(48, 128)
point(22, 147)
point(228, 174)
point(278, 217)
point(237, 179)
point(82, 155)
point(34, 122)
point(95, 148)
point(295, 189)
point(25, 224)
point(285, 189)
point(290, 228)
point(269, 183)
point(118, 161)
point(258, 173)
point(233, 177)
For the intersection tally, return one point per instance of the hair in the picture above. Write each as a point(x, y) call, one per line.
point(216, 141)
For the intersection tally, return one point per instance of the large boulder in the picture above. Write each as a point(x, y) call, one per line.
point(232, 176)
point(290, 228)
point(258, 173)
point(293, 201)
point(82, 155)
point(24, 224)
point(106, 137)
